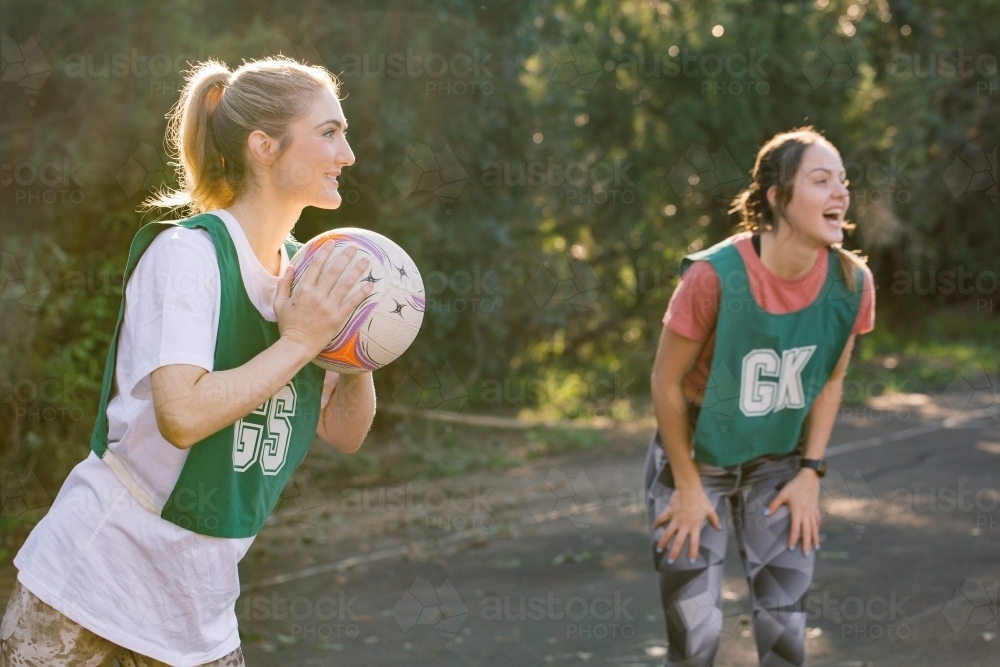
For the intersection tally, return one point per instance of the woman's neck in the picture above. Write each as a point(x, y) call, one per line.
point(266, 226)
point(787, 254)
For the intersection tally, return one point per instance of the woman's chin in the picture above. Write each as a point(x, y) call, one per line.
point(829, 235)
point(328, 200)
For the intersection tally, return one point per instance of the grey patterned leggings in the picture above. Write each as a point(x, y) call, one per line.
point(33, 634)
point(779, 579)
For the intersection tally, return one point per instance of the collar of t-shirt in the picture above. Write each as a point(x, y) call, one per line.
point(755, 240)
point(775, 294)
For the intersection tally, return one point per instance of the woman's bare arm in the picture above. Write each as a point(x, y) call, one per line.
point(348, 412)
point(674, 356)
point(822, 415)
point(191, 403)
point(689, 506)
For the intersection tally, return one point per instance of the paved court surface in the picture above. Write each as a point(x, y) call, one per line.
point(549, 564)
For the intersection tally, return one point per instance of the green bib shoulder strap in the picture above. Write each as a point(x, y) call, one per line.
point(688, 260)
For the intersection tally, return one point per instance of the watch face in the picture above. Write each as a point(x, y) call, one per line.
point(822, 468)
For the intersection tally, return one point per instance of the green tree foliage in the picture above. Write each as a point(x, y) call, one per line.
point(546, 163)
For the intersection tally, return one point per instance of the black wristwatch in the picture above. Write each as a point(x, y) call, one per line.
point(819, 465)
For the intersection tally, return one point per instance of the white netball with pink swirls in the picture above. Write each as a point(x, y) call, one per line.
point(387, 321)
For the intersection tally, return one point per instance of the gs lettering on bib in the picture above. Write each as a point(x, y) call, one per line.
point(262, 436)
point(767, 369)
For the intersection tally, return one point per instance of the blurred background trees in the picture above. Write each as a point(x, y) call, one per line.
point(545, 163)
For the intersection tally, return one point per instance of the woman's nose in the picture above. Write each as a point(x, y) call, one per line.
point(345, 155)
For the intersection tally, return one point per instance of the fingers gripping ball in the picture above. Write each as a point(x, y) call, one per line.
point(387, 321)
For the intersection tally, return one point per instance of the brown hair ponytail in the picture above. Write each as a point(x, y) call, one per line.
point(777, 164)
point(217, 110)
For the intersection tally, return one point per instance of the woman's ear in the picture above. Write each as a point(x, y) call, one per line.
point(772, 197)
point(262, 148)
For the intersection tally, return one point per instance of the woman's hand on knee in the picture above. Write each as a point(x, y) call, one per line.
point(684, 517)
point(801, 495)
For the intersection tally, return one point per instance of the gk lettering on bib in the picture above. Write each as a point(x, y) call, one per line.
point(759, 395)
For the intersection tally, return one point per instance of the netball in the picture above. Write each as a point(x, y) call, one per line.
point(383, 325)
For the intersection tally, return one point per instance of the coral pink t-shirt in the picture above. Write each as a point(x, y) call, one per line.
point(694, 306)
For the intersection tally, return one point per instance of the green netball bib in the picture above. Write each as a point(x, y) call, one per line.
point(767, 369)
point(231, 480)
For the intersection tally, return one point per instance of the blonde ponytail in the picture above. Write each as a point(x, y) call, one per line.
point(218, 109)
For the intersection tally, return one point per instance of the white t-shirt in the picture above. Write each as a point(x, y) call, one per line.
point(98, 556)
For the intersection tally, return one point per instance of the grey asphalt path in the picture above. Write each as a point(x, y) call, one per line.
point(549, 564)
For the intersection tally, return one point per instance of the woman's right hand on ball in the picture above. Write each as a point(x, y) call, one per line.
point(684, 517)
point(319, 307)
